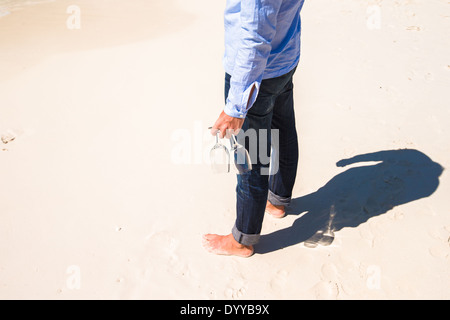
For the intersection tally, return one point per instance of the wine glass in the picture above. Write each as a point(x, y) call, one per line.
point(220, 157)
point(242, 159)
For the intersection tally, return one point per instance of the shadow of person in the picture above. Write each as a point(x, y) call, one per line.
point(356, 195)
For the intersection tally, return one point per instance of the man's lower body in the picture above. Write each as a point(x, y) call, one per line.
point(272, 116)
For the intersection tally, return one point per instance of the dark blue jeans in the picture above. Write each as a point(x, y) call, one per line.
point(273, 110)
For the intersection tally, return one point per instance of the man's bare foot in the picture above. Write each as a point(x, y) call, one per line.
point(275, 211)
point(226, 245)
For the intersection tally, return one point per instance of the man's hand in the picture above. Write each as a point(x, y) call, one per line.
point(227, 126)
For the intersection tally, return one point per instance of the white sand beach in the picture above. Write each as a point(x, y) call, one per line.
point(105, 185)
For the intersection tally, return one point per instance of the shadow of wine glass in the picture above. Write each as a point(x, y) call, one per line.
point(356, 195)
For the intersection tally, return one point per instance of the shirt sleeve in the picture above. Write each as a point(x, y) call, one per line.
point(258, 28)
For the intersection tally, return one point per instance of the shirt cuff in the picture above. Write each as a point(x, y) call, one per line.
point(239, 102)
point(232, 111)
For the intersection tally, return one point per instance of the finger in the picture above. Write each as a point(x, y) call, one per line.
point(214, 131)
point(228, 133)
point(222, 132)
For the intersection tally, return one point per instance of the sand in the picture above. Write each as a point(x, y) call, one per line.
point(106, 189)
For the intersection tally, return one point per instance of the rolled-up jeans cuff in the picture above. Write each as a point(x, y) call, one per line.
point(245, 239)
point(277, 200)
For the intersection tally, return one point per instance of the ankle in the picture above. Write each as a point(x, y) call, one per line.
point(270, 205)
point(236, 244)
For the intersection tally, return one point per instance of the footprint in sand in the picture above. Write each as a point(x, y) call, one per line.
point(440, 233)
point(278, 283)
point(330, 272)
point(366, 234)
point(329, 287)
point(325, 290)
point(164, 246)
point(236, 289)
point(441, 250)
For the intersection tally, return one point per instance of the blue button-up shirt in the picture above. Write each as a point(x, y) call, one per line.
point(262, 41)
